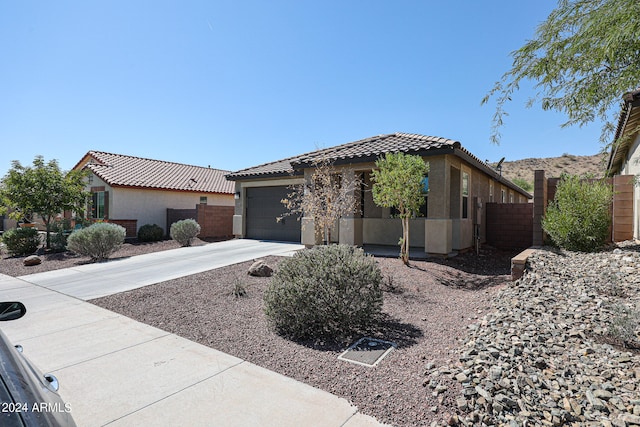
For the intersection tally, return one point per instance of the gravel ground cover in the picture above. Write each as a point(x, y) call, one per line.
point(428, 307)
point(561, 347)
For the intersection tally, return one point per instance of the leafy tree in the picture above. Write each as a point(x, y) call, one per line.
point(578, 218)
point(523, 183)
point(328, 196)
point(398, 183)
point(585, 56)
point(42, 189)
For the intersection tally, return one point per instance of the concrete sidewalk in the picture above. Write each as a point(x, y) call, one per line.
point(118, 372)
point(106, 278)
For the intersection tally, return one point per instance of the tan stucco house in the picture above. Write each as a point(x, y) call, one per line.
point(458, 184)
point(134, 191)
point(624, 158)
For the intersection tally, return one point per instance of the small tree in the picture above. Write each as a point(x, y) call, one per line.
point(42, 189)
point(327, 197)
point(578, 219)
point(398, 183)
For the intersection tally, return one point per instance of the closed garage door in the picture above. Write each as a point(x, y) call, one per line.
point(263, 206)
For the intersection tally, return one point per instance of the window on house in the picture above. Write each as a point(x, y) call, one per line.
point(465, 195)
point(425, 194)
point(491, 191)
point(510, 197)
point(503, 196)
point(203, 200)
point(97, 205)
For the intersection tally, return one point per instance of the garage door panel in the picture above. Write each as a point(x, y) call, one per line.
point(263, 207)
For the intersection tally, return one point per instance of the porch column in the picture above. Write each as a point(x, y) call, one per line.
point(438, 227)
point(238, 214)
point(350, 229)
point(309, 237)
point(539, 206)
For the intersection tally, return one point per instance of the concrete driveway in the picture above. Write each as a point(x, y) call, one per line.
point(118, 372)
point(91, 281)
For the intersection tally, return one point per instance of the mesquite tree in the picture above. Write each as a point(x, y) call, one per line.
point(585, 56)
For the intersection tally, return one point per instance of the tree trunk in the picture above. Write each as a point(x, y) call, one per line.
point(47, 224)
point(404, 247)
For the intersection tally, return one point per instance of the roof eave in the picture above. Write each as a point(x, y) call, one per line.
point(631, 100)
point(373, 157)
point(266, 175)
point(469, 158)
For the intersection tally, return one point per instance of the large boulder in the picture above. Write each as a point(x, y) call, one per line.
point(32, 260)
point(260, 269)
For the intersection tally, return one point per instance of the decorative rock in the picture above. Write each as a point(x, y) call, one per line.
point(260, 269)
point(539, 357)
point(461, 377)
point(32, 260)
point(630, 419)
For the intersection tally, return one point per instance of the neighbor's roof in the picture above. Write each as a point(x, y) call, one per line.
point(368, 150)
point(628, 125)
point(119, 170)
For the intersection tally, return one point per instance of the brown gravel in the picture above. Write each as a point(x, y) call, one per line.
point(427, 307)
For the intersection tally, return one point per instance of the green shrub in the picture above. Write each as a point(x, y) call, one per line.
point(150, 233)
point(579, 218)
point(184, 231)
point(326, 291)
point(624, 324)
point(60, 229)
point(21, 241)
point(98, 241)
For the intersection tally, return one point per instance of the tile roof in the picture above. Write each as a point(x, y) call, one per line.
point(362, 150)
point(119, 170)
point(369, 149)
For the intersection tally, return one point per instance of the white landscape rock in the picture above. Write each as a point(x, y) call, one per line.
point(545, 355)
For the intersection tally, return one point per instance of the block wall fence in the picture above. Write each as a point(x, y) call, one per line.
point(519, 226)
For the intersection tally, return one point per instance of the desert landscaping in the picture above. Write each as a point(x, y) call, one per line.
point(473, 348)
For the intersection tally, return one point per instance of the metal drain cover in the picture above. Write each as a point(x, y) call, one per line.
point(367, 351)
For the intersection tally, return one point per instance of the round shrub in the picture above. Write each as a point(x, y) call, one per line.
point(21, 241)
point(150, 233)
point(578, 219)
point(328, 291)
point(98, 241)
point(184, 231)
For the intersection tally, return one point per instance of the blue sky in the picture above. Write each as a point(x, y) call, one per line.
point(233, 84)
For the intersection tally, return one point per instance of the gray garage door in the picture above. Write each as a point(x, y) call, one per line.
point(263, 207)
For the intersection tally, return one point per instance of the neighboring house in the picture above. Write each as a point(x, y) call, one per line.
point(134, 191)
point(458, 184)
point(624, 158)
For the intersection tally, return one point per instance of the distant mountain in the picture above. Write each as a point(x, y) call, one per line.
point(554, 166)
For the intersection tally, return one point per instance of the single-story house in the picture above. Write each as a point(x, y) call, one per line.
point(458, 185)
point(134, 191)
point(624, 158)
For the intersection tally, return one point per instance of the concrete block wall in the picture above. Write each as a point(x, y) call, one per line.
point(130, 225)
point(509, 225)
point(215, 221)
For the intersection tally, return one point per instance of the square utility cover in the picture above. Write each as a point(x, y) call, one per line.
point(367, 351)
